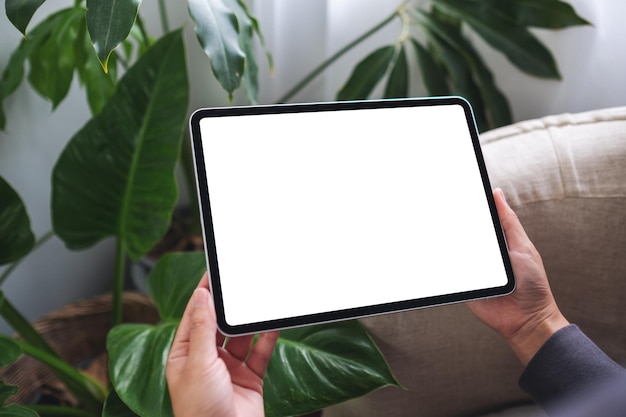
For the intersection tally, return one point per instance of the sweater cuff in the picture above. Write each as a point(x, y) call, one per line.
point(568, 364)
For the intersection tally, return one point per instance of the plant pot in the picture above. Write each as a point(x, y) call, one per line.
point(78, 333)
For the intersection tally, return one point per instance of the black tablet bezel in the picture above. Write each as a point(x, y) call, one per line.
point(330, 316)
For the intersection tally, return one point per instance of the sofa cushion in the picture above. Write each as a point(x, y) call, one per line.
point(565, 176)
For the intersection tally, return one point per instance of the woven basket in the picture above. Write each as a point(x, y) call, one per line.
point(78, 333)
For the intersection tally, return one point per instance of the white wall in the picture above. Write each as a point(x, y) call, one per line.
point(300, 35)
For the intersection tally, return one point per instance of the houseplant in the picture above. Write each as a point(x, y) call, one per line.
point(115, 177)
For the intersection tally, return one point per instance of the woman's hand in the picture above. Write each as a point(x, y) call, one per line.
point(206, 379)
point(529, 316)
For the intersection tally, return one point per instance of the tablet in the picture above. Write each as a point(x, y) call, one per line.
point(321, 212)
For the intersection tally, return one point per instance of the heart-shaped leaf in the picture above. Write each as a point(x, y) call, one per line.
point(137, 357)
point(115, 407)
point(16, 236)
point(217, 29)
point(109, 23)
point(315, 367)
point(172, 281)
point(367, 74)
point(312, 367)
point(20, 12)
point(116, 175)
point(138, 352)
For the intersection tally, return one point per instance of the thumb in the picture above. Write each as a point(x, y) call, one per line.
point(514, 231)
point(202, 329)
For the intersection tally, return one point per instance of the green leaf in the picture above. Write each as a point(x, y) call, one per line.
point(456, 65)
point(14, 72)
point(171, 295)
point(137, 358)
point(217, 29)
point(16, 236)
point(490, 105)
point(52, 62)
point(398, 82)
point(98, 84)
point(6, 391)
point(12, 410)
point(15, 410)
point(367, 74)
point(138, 352)
point(9, 350)
point(115, 407)
point(116, 175)
point(109, 23)
point(520, 46)
point(88, 390)
point(315, 367)
point(20, 12)
point(433, 75)
point(549, 14)
point(248, 28)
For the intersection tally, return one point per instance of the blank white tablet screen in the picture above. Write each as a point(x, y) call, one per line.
point(322, 211)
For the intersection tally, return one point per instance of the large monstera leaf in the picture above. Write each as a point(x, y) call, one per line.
point(16, 237)
point(319, 366)
point(312, 367)
point(116, 175)
point(137, 352)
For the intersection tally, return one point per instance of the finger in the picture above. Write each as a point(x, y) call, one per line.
point(262, 353)
point(202, 329)
point(514, 231)
point(239, 346)
point(179, 350)
point(204, 283)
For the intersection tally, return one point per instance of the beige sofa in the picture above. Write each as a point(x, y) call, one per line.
point(565, 176)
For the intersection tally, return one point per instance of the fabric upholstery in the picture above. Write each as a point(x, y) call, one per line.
point(565, 176)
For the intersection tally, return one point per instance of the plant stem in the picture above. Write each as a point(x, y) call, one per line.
point(118, 283)
point(47, 236)
point(24, 328)
point(144, 33)
point(165, 24)
point(322, 67)
point(90, 392)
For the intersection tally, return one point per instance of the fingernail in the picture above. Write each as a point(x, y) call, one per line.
point(200, 297)
point(499, 190)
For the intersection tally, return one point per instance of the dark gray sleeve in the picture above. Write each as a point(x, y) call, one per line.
point(569, 368)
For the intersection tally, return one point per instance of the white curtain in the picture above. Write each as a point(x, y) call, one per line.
point(592, 60)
